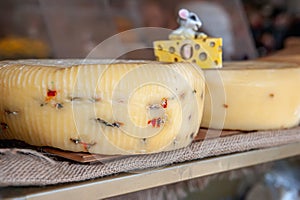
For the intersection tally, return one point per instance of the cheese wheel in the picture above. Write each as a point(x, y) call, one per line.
point(100, 106)
point(252, 96)
point(282, 58)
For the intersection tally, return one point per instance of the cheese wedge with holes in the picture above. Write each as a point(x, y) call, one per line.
point(206, 52)
point(252, 96)
point(98, 106)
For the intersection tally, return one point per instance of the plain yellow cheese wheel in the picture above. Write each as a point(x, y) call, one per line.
point(252, 95)
point(98, 106)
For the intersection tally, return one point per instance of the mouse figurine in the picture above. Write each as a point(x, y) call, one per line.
point(188, 44)
point(190, 25)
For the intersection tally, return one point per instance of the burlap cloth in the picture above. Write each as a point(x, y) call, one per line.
point(21, 168)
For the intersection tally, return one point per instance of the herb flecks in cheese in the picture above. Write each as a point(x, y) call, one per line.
point(103, 106)
point(86, 146)
point(113, 124)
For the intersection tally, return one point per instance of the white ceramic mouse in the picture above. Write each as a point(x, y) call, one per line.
point(189, 26)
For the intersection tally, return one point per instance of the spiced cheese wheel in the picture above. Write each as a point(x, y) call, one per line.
point(252, 95)
point(101, 106)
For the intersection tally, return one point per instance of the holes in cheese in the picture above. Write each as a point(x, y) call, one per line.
point(101, 106)
point(186, 51)
point(252, 96)
point(202, 56)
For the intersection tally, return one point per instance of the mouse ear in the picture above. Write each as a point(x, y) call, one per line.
point(183, 13)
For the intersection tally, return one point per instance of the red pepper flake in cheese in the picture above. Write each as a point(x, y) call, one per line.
point(152, 122)
point(85, 145)
point(149, 122)
point(51, 94)
point(156, 122)
point(164, 103)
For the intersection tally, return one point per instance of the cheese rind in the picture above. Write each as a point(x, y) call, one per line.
point(252, 96)
point(99, 106)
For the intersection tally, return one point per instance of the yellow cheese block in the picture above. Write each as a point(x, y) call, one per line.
point(205, 52)
point(101, 107)
point(252, 96)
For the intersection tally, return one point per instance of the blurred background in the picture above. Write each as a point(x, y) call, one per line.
point(73, 28)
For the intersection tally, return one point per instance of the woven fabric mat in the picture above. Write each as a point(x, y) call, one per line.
point(21, 168)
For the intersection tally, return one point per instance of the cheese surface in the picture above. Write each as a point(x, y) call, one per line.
point(206, 52)
point(252, 96)
point(101, 106)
